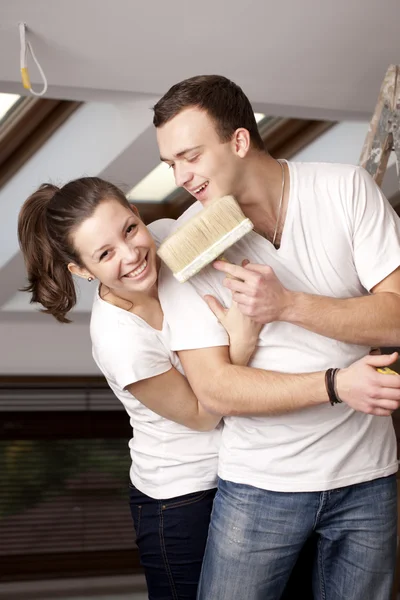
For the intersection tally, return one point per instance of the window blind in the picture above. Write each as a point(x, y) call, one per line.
point(64, 462)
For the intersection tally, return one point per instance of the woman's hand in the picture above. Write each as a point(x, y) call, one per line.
point(242, 330)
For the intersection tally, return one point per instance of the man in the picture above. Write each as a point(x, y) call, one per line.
point(324, 277)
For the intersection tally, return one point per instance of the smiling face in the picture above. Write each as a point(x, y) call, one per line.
point(204, 165)
point(116, 248)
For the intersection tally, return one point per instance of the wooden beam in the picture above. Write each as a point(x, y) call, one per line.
point(395, 202)
point(152, 211)
point(292, 135)
point(27, 129)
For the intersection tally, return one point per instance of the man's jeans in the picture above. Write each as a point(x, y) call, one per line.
point(256, 535)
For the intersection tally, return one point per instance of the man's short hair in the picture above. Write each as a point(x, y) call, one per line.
point(222, 99)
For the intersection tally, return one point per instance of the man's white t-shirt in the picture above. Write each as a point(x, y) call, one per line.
point(340, 239)
point(168, 459)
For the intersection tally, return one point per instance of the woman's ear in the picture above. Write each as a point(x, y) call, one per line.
point(79, 271)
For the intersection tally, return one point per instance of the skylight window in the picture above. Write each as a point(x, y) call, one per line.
point(158, 184)
point(7, 101)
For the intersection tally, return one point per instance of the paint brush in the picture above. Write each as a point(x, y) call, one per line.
point(204, 237)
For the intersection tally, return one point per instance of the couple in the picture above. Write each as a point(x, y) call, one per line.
point(302, 435)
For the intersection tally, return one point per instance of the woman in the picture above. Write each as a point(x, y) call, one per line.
point(88, 228)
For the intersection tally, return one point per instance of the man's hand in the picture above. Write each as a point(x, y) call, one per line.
point(363, 388)
point(257, 291)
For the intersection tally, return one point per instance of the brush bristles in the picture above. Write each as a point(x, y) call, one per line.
point(204, 237)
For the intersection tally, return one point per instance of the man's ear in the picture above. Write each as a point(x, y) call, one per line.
point(79, 271)
point(241, 142)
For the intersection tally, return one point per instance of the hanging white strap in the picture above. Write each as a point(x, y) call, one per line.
point(25, 46)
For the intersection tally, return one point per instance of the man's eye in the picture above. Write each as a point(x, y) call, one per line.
point(131, 227)
point(171, 166)
point(193, 158)
point(103, 255)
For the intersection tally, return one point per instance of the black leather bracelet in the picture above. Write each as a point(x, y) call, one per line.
point(330, 384)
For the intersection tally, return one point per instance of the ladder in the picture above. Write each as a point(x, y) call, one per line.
point(383, 136)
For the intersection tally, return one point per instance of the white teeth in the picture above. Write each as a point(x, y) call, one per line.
point(201, 188)
point(138, 270)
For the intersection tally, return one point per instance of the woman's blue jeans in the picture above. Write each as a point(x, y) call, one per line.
point(171, 537)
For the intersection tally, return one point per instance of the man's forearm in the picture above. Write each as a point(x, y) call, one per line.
point(237, 390)
point(231, 390)
point(372, 320)
point(267, 392)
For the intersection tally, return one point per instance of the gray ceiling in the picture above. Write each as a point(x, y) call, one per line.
point(310, 56)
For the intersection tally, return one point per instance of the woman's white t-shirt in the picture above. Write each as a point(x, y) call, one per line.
point(168, 459)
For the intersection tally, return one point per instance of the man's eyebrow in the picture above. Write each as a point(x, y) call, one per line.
point(181, 153)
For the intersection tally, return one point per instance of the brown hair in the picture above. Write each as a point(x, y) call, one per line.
point(46, 224)
point(224, 101)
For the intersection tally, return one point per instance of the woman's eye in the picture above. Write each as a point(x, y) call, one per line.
point(103, 255)
point(193, 158)
point(171, 166)
point(131, 228)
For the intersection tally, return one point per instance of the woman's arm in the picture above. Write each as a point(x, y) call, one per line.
point(243, 332)
point(170, 396)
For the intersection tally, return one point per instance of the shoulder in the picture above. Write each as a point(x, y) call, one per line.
point(342, 184)
point(161, 229)
point(327, 170)
point(111, 326)
point(190, 212)
point(328, 174)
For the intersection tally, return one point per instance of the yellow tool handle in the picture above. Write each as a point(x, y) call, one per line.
point(386, 371)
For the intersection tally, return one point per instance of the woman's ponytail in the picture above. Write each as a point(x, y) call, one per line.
point(50, 282)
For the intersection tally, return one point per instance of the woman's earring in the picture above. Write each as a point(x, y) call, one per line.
point(90, 279)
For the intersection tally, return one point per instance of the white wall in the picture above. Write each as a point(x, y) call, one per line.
point(45, 348)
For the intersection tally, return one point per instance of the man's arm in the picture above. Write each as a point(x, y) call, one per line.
point(231, 390)
point(372, 320)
